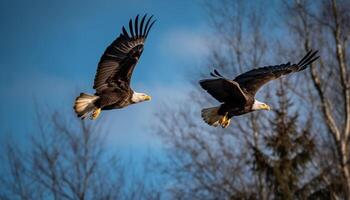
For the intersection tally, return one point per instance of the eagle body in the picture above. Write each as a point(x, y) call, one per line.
point(234, 109)
point(115, 99)
point(115, 68)
point(237, 96)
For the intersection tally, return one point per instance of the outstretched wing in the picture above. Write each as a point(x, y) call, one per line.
point(252, 80)
point(119, 59)
point(224, 90)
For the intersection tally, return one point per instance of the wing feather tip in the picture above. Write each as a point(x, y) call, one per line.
point(131, 28)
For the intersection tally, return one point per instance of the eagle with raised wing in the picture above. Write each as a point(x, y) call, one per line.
point(237, 96)
point(112, 80)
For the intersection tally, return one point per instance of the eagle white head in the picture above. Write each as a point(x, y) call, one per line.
point(140, 97)
point(260, 106)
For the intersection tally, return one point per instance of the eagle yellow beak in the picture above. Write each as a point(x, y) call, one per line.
point(147, 98)
point(265, 107)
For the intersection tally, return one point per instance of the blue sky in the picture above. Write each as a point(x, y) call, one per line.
point(49, 52)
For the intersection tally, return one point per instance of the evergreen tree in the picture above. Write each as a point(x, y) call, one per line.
point(285, 153)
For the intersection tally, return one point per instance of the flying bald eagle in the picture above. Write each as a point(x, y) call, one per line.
point(238, 96)
point(112, 80)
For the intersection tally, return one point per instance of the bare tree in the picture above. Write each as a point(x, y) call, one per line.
point(325, 25)
point(209, 163)
point(67, 159)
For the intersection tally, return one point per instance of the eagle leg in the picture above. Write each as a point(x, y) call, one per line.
point(222, 120)
point(225, 121)
point(95, 113)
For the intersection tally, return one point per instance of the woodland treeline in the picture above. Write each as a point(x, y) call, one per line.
point(298, 150)
point(301, 149)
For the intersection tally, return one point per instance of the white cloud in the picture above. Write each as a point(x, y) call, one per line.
point(185, 43)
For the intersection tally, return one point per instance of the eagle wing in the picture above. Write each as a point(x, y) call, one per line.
point(224, 90)
point(252, 80)
point(120, 58)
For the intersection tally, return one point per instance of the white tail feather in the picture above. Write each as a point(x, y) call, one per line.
point(84, 104)
point(211, 116)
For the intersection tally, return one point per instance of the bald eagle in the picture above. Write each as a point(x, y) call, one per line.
point(112, 80)
point(238, 95)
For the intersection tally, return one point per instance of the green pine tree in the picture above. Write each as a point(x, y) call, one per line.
point(285, 153)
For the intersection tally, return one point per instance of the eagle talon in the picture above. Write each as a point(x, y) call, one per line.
point(225, 121)
point(96, 113)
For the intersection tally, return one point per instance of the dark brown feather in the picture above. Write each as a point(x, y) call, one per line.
point(120, 58)
point(253, 80)
point(224, 90)
point(114, 98)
